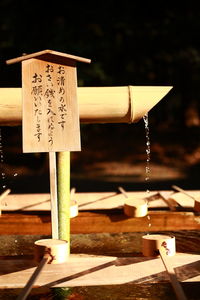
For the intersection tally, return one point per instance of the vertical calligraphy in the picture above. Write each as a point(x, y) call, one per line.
point(62, 107)
point(49, 96)
point(36, 91)
point(48, 107)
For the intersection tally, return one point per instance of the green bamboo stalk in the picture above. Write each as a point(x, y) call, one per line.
point(63, 186)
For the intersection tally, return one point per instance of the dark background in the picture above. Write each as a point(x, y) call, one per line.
point(130, 43)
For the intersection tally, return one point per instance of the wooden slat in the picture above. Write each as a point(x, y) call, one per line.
point(91, 270)
point(92, 201)
point(93, 222)
point(26, 202)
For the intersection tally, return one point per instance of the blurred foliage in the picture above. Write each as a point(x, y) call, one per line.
point(129, 42)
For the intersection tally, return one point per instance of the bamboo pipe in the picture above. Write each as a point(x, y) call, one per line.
point(124, 104)
point(63, 188)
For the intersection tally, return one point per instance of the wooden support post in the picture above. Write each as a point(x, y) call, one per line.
point(63, 176)
point(51, 121)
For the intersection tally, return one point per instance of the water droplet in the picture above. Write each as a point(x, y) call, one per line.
point(15, 241)
point(4, 186)
point(149, 224)
point(15, 175)
point(148, 217)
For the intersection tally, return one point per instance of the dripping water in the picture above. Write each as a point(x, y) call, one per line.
point(148, 158)
point(148, 149)
point(4, 179)
point(3, 174)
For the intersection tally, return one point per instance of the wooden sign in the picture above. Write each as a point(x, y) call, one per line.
point(50, 110)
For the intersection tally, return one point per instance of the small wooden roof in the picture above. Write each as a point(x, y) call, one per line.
point(51, 56)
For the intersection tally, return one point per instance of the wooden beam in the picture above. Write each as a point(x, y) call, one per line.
point(97, 222)
point(84, 270)
point(118, 222)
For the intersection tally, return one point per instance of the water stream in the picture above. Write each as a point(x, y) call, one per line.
point(148, 158)
point(5, 182)
point(3, 174)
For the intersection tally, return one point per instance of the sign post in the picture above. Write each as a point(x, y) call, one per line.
point(50, 122)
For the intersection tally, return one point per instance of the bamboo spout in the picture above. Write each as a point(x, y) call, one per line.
point(126, 104)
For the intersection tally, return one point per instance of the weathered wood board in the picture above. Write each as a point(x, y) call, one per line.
point(82, 270)
point(93, 222)
point(50, 109)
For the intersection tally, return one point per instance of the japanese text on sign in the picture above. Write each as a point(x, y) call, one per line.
point(49, 88)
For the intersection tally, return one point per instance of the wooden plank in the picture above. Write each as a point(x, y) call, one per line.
point(93, 201)
point(50, 110)
point(184, 200)
point(113, 222)
point(83, 270)
point(25, 224)
point(3, 196)
point(26, 202)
